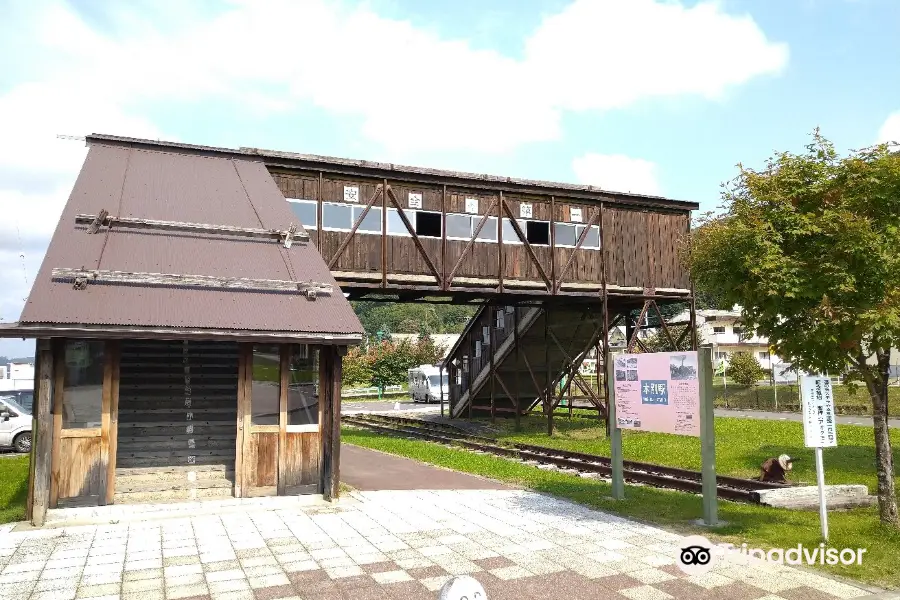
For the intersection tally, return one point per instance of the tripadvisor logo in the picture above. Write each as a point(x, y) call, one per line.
point(697, 555)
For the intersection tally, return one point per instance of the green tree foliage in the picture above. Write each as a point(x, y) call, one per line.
point(659, 342)
point(387, 363)
point(744, 369)
point(412, 317)
point(809, 246)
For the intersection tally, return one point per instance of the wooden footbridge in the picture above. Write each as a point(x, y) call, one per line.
point(554, 266)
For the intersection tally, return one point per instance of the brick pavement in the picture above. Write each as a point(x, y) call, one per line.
point(385, 545)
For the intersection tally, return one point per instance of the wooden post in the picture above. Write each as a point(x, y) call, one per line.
point(516, 342)
point(553, 285)
point(491, 324)
point(384, 244)
point(330, 365)
point(441, 384)
point(243, 432)
point(471, 381)
point(500, 250)
point(285, 372)
point(109, 419)
point(42, 442)
point(59, 373)
point(319, 198)
point(444, 285)
point(549, 386)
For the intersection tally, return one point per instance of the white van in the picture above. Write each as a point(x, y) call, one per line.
point(423, 384)
point(15, 425)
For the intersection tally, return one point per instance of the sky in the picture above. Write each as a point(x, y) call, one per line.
point(653, 96)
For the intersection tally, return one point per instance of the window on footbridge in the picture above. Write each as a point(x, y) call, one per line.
point(537, 232)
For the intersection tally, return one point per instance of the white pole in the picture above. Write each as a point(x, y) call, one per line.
point(820, 475)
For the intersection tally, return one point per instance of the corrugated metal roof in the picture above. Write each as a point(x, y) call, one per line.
point(174, 186)
point(317, 162)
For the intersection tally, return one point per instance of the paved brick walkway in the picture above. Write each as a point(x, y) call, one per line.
point(370, 470)
point(384, 545)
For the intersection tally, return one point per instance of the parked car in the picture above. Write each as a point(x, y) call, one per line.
point(15, 425)
point(24, 398)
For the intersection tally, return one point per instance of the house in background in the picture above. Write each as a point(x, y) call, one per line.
point(725, 331)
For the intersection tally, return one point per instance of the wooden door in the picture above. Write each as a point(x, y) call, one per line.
point(85, 395)
point(278, 421)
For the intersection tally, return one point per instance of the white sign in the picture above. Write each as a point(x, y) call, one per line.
point(415, 200)
point(575, 215)
point(819, 426)
point(351, 193)
point(472, 205)
point(525, 211)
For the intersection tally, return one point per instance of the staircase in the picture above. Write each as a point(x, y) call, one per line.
point(177, 421)
point(531, 348)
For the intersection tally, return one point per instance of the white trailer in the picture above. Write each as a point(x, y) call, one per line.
point(424, 386)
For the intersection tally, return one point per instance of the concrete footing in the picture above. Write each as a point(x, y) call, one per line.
point(807, 497)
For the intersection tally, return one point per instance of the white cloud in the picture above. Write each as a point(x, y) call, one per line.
point(890, 130)
point(410, 88)
point(617, 173)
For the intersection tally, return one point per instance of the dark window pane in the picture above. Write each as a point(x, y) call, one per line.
point(337, 216)
point(306, 212)
point(537, 232)
point(303, 398)
point(264, 398)
point(372, 222)
point(489, 231)
point(83, 387)
point(428, 224)
point(565, 234)
point(459, 226)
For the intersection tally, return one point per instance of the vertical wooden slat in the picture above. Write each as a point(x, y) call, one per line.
point(553, 288)
point(105, 401)
point(491, 325)
point(550, 390)
point(501, 265)
point(114, 352)
point(42, 437)
point(319, 234)
point(282, 417)
point(444, 285)
point(335, 384)
point(384, 238)
point(243, 430)
point(59, 365)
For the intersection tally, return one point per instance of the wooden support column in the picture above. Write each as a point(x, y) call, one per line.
point(384, 241)
point(491, 324)
point(471, 374)
point(109, 419)
point(330, 365)
point(42, 436)
point(549, 391)
point(516, 342)
point(285, 371)
point(59, 372)
point(245, 374)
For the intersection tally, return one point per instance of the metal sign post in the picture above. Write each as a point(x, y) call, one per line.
point(616, 459)
point(819, 430)
point(707, 437)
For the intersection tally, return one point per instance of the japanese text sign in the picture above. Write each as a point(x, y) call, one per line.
point(659, 392)
point(819, 425)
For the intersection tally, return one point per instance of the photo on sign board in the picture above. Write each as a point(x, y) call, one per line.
point(632, 362)
point(620, 374)
point(632, 374)
point(683, 366)
point(620, 362)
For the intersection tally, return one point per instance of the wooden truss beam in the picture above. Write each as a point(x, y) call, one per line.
point(379, 190)
point(81, 278)
point(524, 239)
point(469, 244)
point(95, 222)
point(415, 237)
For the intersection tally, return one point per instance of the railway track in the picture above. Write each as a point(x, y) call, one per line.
point(729, 488)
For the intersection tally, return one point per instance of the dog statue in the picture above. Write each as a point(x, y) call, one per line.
point(774, 470)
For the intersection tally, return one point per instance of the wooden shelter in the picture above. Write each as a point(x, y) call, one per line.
point(189, 338)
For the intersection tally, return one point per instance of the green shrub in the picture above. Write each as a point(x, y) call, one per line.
point(744, 369)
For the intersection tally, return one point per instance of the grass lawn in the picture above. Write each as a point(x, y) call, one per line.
point(13, 487)
point(741, 446)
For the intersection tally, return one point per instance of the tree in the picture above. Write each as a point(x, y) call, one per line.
point(659, 342)
point(808, 246)
point(744, 369)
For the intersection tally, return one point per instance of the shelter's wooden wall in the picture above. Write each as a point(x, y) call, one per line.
point(640, 245)
point(263, 460)
point(301, 458)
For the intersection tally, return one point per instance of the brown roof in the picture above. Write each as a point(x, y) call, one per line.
point(379, 170)
point(176, 186)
